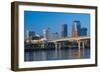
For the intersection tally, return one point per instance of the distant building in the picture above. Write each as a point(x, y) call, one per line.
point(54, 36)
point(46, 34)
point(77, 30)
point(83, 31)
point(76, 26)
point(64, 30)
point(30, 34)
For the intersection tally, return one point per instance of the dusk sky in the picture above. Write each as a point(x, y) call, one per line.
point(37, 21)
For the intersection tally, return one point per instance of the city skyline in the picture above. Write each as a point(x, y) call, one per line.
point(34, 20)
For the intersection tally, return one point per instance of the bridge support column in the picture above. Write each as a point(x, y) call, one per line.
point(79, 47)
point(56, 49)
point(59, 45)
point(83, 47)
point(43, 45)
point(83, 44)
point(56, 45)
point(63, 44)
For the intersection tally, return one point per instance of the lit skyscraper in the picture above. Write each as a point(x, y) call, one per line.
point(64, 30)
point(76, 29)
point(46, 34)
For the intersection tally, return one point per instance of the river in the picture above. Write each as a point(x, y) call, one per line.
point(57, 54)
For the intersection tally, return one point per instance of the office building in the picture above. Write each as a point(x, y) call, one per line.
point(83, 31)
point(76, 27)
point(46, 34)
point(64, 30)
point(30, 34)
point(54, 36)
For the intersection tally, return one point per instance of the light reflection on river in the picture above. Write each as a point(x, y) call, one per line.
point(59, 54)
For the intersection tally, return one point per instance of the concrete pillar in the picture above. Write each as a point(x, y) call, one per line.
point(56, 45)
point(83, 44)
point(59, 45)
point(59, 49)
point(43, 45)
point(62, 44)
point(56, 49)
point(83, 47)
point(79, 47)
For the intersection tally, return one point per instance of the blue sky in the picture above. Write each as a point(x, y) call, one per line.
point(37, 21)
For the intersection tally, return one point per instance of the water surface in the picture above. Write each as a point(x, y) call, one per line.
point(57, 54)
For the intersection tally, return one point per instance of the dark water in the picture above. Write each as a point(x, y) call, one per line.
point(59, 54)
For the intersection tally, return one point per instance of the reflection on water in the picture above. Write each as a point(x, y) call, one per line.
point(59, 54)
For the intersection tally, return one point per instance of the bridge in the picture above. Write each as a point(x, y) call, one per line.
point(82, 40)
point(79, 40)
point(61, 42)
point(71, 39)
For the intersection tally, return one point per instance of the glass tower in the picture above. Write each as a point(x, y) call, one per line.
point(64, 30)
point(76, 27)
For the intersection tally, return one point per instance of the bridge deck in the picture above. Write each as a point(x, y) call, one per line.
point(71, 39)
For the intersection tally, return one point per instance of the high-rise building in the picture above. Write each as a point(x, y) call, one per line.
point(30, 34)
point(83, 31)
point(77, 30)
point(46, 34)
point(54, 36)
point(76, 26)
point(64, 30)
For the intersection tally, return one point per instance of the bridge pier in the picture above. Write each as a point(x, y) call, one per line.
point(79, 47)
point(83, 47)
point(56, 49)
point(83, 44)
point(62, 44)
point(57, 45)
